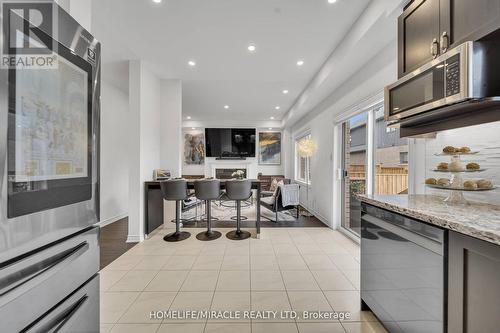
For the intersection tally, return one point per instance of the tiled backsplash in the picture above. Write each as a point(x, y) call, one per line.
point(484, 138)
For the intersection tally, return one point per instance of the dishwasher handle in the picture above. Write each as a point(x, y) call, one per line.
point(425, 242)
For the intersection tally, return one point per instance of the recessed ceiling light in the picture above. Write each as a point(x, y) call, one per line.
point(272, 118)
point(192, 63)
point(285, 91)
point(157, 1)
point(300, 62)
point(332, 1)
point(270, 128)
point(226, 107)
point(252, 48)
point(193, 128)
point(277, 107)
point(188, 117)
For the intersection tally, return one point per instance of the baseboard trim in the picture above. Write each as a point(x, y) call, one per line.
point(135, 238)
point(111, 220)
point(320, 217)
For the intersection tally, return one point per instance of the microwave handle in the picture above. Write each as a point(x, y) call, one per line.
point(434, 48)
point(445, 42)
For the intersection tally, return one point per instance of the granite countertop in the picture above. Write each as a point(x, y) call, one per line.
point(475, 219)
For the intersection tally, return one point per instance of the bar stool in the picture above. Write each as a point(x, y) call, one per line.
point(175, 190)
point(238, 190)
point(208, 190)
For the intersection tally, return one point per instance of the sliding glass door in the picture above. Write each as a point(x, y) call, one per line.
point(374, 161)
point(354, 169)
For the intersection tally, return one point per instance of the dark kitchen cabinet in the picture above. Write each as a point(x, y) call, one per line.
point(473, 285)
point(428, 28)
point(418, 34)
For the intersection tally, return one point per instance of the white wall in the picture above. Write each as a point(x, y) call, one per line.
point(144, 143)
point(367, 82)
point(171, 126)
point(251, 163)
point(114, 153)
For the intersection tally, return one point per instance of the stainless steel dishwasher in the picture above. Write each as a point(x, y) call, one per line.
point(403, 271)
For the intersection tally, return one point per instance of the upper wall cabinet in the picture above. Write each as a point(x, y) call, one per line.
point(428, 28)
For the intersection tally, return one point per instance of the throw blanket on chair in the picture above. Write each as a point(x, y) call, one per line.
point(290, 195)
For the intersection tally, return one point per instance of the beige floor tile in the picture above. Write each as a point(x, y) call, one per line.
point(266, 281)
point(364, 327)
point(208, 263)
point(344, 261)
point(200, 281)
point(191, 301)
point(274, 328)
point(134, 281)
point(179, 263)
point(124, 263)
point(237, 250)
point(147, 302)
point(235, 263)
point(291, 262)
point(265, 249)
point(182, 328)
point(332, 248)
point(309, 249)
point(354, 276)
point(152, 263)
point(114, 305)
point(319, 262)
point(264, 263)
point(320, 328)
point(231, 301)
point(135, 328)
point(167, 281)
point(105, 328)
point(311, 301)
point(349, 301)
point(271, 301)
point(227, 328)
point(332, 280)
point(299, 280)
point(109, 278)
point(213, 249)
point(286, 250)
point(234, 281)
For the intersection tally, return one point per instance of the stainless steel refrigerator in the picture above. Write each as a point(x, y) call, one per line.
point(49, 173)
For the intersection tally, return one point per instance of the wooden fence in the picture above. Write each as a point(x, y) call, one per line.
point(388, 180)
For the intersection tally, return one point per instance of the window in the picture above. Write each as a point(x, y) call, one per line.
point(303, 163)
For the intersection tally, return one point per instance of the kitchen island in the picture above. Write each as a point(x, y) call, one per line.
point(428, 266)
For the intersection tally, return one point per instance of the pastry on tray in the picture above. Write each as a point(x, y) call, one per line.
point(449, 150)
point(473, 166)
point(431, 181)
point(463, 150)
point(442, 166)
point(483, 183)
point(445, 182)
point(470, 185)
point(456, 166)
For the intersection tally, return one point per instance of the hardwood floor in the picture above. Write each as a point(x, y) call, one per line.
point(114, 241)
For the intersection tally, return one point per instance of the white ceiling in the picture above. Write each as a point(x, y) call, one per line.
point(216, 34)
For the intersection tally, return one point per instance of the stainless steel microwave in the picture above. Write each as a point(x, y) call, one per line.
point(463, 74)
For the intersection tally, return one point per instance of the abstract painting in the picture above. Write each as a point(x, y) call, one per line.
point(194, 148)
point(270, 148)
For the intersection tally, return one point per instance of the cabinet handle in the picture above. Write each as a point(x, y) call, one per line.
point(445, 42)
point(435, 47)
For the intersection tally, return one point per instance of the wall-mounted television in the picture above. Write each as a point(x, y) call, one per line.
point(230, 142)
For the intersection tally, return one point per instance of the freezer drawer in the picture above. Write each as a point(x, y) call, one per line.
point(79, 313)
point(402, 271)
point(32, 284)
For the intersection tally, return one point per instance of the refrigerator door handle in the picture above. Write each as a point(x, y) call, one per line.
point(55, 322)
point(34, 269)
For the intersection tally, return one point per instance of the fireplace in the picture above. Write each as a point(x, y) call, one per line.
point(226, 173)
